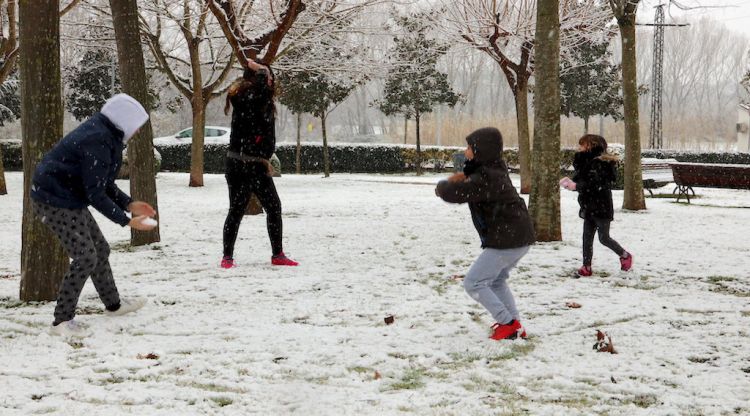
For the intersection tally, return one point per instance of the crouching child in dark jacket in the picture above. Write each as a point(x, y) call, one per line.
point(503, 223)
point(79, 172)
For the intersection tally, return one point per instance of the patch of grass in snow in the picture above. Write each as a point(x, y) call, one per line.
point(213, 387)
point(517, 349)
point(698, 311)
point(700, 360)
point(728, 290)
point(745, 313)
point(642, 400)
point(401, 356)
point(222, 401)
point(406, 409)
point(719, 279)
point(477, 383)
point(361, 370)
point(410, 380)
point(641, 285)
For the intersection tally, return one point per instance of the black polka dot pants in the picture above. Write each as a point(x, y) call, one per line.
point(89, 252)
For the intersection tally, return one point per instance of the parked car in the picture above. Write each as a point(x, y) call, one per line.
point(213, 135)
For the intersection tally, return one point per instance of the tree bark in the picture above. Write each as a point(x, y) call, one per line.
point(544, 201)
point(133, 78)
point(3, 185)
point(406, 128)
point(521, 96)
point(585, 125)
point(298, 153)
point(633, 195)
point(43, 259)
point(326, 157)
point(418, 161)
point(196, 148)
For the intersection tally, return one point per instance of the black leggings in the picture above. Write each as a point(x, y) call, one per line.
point(245, 179)
point(591, 226)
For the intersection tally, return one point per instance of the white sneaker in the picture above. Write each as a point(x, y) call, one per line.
point(69, 328)
point(127, 306)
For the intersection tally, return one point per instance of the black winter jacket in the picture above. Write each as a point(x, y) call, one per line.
point(499, 214)
point(80, 170)
point(253, 120)
point(594, 177)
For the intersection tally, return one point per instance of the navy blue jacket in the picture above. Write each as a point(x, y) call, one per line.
point(80, 170)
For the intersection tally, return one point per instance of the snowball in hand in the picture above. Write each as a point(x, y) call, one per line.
point(149, 221)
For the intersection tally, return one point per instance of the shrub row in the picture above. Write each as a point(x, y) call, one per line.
point(364, 158)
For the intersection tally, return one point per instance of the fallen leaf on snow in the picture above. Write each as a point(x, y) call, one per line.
point(573, 305)
point(389, 319)
point(457, 277)
point(149, 356)
point(604, 343)
point(377, 375)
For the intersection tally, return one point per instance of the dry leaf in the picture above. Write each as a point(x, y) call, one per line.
point(377, 375)
point(389, 319)
point(604, 343)
point(573, 305)
point(457, 277)
point(613, 379)
point(149, 356)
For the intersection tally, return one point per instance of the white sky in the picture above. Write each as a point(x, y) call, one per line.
point(734, 13)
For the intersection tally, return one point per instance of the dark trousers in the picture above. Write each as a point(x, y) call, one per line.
point(594, 225)
point(245, 179)
point(83, 240)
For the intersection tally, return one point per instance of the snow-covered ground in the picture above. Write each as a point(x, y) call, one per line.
point(312, 340)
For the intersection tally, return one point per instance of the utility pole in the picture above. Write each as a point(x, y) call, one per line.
point(655, 135)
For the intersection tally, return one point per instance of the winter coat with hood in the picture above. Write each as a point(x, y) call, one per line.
point(595, 173)
point(498, 212)
point(80, 170)
point(253, 117)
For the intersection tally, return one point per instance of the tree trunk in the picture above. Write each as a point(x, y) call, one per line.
point(3, 186)
point(585, 125)
point(406, 128)
point(43, 259)
point(196, 147)
point(418, 162)
point(522, 124)
point(544, 201)
point(326, 160)
point(633, 196)
point(133, 79)
point(298, 153)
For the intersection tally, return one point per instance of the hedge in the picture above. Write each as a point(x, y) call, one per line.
point(365, 158)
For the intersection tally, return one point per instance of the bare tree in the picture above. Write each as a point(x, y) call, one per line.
point(133, 77)
point(505, 31)
point(544, 201)
point(9, 53)
point(43, 260)
point(207, 64)
point(625, 11)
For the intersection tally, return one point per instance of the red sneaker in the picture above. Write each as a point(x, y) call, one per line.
point(227, 263)
point(509, 331)
point(282, 260)
point(627, 262)
point(585, 271)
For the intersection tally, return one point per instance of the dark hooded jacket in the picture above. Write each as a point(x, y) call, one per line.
point(81, 169)
point(498, 212)
point(253, 118)
point(594, 175)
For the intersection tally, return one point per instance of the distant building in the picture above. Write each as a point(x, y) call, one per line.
point(743, 128)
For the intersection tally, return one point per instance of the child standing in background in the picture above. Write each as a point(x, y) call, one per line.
point(595, 172)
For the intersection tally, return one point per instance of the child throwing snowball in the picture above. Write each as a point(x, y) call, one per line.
point(595, 172)
point(79, 171)
point(502, 221)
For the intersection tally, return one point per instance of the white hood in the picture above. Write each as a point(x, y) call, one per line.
point(126, 113)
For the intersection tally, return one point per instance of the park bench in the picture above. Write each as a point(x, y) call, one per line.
point(699, 175)
point(656, 173)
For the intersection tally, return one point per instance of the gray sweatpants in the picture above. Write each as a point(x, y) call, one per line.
point(83, 240)
point(487, 283)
